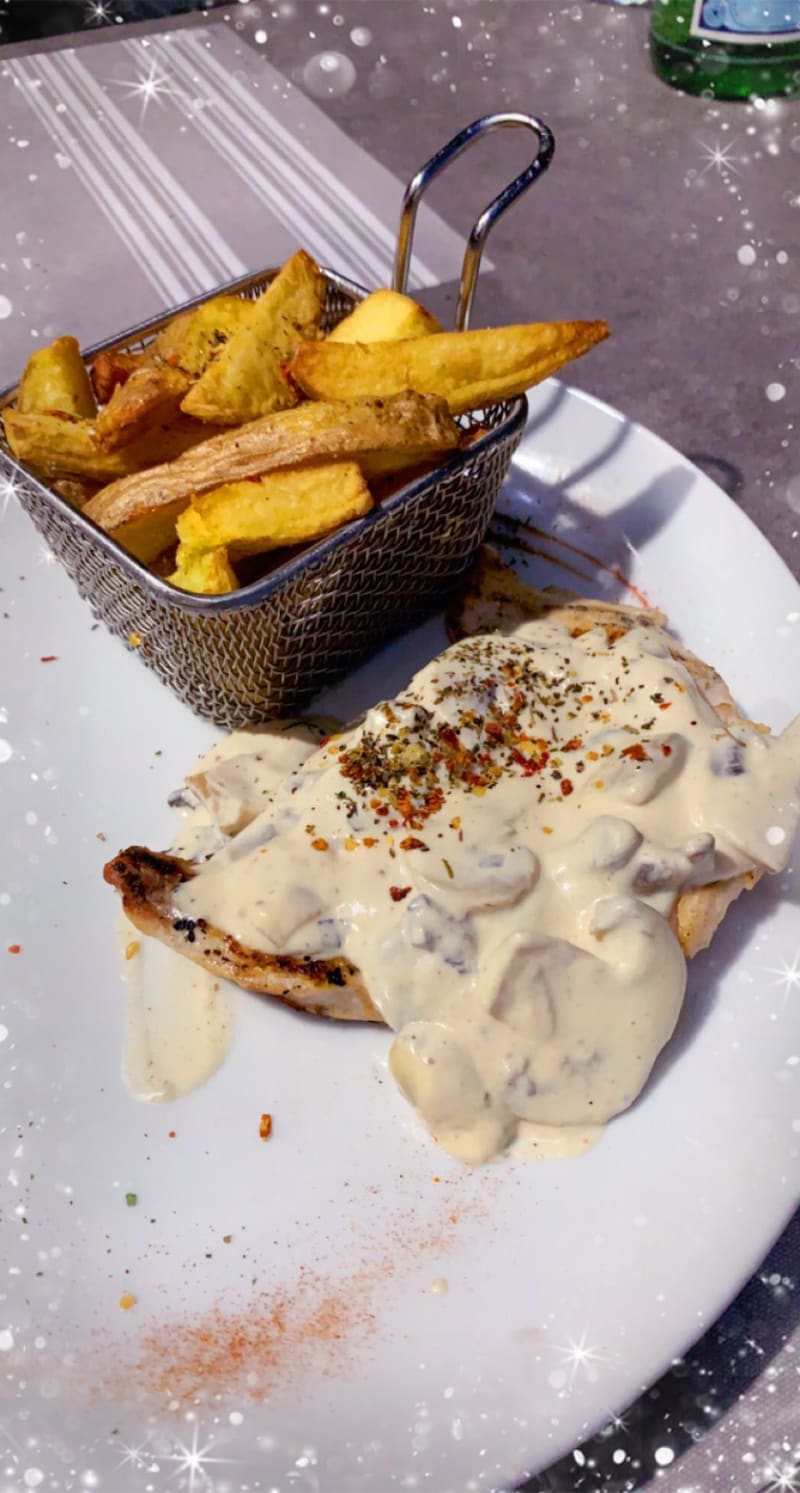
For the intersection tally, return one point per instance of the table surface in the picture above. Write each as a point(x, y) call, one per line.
point(676, 219)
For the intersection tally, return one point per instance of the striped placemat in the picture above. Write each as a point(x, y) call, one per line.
point(145, 170)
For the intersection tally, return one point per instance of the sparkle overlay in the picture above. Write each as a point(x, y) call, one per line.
point(719, 158)
point(154, 85)
point(788, 975)
point(195, 1460)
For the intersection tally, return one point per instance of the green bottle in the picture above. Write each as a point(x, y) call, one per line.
point(731, 49)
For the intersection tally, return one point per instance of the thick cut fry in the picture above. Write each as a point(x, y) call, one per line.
point(468, 369)
point(380, 464)
point(192, 339)
point(247, 378)
point(150, 397)
point(206, 572)
point(110, 369)
point(385, 316)
point(55, 378)
point(311, 432)
point(60, 446)
point(288, 507)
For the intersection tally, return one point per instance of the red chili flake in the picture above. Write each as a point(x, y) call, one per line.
point(397, 893)
point(325, 739)
point(636, 752)
point(265, 1127)
point(566, 787)
point(49, 658)
point(493, 729)
point(666, 750)
point(573, 745)
point(411, 842)
point(15, 948)
point(665, 705)
point(394, 823)
point(449, 736)
point(369, 841)
point(529, 765)
point(172, 1134)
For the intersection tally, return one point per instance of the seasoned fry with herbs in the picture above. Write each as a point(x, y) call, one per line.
point(191, 340)
point(247, 378)
point(55, 379)
point(150, 397)
point(468, 369)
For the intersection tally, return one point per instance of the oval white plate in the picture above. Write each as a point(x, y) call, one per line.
point(406, 1322)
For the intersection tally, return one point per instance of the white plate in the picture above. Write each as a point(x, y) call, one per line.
point(571, 1285)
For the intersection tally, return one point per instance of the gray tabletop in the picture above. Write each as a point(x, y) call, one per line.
point(676, 219)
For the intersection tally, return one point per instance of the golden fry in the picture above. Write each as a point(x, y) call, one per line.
point(55, 379)
point(468, 369)
point(285, 508)
point(191, 340)
point(385, 316)
point(206, 572)
point(110, 369)
point(60, 446)
point(333, 431)
point(247, 379)
point(150, 397)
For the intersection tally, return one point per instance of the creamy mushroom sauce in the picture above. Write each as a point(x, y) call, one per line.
point(499, 851)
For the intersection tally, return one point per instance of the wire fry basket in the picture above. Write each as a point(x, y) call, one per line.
point(264, 650)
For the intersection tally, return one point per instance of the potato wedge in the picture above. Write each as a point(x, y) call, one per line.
point(55, 378)
point(110, 369)
point(385, 316)
point(205, 572)
point(61, 446)
point(150, 397)
point(285, 508)
point(380, 464)
point(333, 431)
point(247, 378)
point(468, 369)
point(191, 340)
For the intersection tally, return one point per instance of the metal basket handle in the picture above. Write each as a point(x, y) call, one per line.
point(490, 214)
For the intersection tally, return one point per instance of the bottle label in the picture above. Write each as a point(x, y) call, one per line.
point(746, 21)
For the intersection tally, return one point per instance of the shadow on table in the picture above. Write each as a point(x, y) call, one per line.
point(698, 1390)
point(723, 472)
